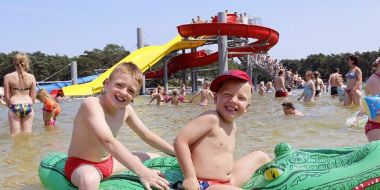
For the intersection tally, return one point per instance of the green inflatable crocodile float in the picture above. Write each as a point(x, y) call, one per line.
point(335, 168)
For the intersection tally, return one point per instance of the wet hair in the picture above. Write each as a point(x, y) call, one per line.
point(336, 70)
point(130, 69)
point(355, 59)
point(288, 105)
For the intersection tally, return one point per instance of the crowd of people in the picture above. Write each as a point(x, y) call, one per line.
point(242, 18)
point(95, 152)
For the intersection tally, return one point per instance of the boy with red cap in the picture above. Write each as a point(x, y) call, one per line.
point(205, 146)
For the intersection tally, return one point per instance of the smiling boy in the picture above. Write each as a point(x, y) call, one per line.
point(94, 152)
point(205, 146)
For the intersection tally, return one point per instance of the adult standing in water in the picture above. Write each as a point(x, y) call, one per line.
point(372, 88)
point(333, 82)
point(279, 84)
point(20, 94)
point(354, 82)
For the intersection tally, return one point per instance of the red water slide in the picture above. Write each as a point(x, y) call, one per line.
point(266, 39)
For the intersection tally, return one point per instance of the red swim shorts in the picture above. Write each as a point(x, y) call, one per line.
point(370, 125)
point(104, 167)
point(281, 93)
point(204, 184)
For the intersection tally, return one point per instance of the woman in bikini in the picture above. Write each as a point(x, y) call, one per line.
point(372, 88)
point(20, 94)
point(354, 81)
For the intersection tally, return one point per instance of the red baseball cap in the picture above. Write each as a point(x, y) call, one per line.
point(232, 74)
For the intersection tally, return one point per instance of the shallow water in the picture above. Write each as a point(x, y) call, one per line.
point(261, 128)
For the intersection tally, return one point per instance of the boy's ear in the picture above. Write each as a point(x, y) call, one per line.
point(247, 106)
point(106, 82)
point(215, 98)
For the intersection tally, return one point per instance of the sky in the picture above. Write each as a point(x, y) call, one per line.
point(70, 27)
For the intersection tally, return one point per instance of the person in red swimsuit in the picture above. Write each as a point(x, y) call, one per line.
point(372, 88)
point(279, 85)
point(94, 152)
point(51, 108)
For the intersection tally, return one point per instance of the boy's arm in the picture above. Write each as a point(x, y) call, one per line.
point(190, 134)
point(96, 120)
point(147, 135)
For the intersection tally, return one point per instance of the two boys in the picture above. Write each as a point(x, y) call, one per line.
point(95, 153)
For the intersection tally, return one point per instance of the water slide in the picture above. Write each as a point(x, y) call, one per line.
point(144, 58)
point(60, 85)
point(266, 39)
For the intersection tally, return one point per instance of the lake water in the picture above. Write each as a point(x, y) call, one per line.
point(261, 128)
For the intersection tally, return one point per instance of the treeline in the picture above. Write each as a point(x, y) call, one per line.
point(43, 66)
point(326, 63)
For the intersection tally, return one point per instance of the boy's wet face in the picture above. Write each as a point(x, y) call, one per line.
point(232, 99)
point(122, 89)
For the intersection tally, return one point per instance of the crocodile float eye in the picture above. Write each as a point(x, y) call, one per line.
point(272, 173)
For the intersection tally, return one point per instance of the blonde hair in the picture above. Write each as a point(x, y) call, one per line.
point(130, 69)
point(339, 79)
point(21, 61)
point(43, 95)
point(248, 89)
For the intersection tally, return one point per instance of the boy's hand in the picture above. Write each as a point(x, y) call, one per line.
point(153, 178)
point(190, 184)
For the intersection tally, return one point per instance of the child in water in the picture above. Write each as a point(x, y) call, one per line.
point(204, 93)
point(51, 108)
point(261, 88)
point(341, 88)
point(95, 153)
point(290, 109)
point(205, 146)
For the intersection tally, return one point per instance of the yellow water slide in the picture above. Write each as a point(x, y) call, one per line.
point(144, 58)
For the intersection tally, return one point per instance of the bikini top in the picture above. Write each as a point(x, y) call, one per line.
point(351, 75)
point(20, 89)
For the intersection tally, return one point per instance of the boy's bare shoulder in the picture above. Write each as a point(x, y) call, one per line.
point(209, 115)
point(90, 101)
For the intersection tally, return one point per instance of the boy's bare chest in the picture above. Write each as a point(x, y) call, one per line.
point(223, 140)
point(115, 123)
